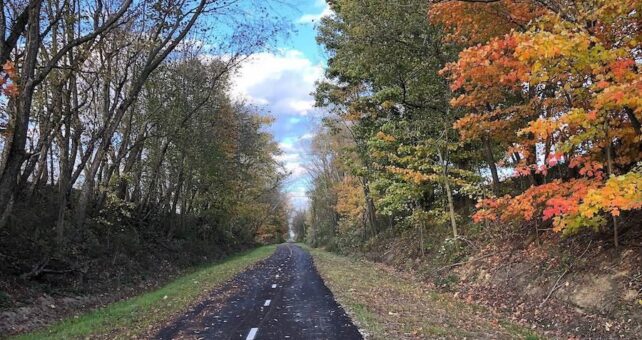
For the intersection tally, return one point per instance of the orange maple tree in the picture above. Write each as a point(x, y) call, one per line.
point(558, 88)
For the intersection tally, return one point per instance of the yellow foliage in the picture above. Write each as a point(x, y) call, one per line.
point(350, 199)
point(385, 137)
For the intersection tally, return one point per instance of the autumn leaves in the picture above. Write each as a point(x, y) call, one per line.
point(558, 92)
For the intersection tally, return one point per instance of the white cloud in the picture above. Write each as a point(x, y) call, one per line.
point(295, 169)
point(307, 136)
point(288, 157)
point(303, 106)
point(291, 159)
point(313, 18)
point(287, 146)
point(283, 81)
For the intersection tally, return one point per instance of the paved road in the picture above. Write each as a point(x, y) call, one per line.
point(282, 297)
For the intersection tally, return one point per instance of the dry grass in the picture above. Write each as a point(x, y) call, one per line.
point(388, 305)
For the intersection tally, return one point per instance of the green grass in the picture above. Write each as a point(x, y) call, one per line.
point(389, 305)
point(138, 315)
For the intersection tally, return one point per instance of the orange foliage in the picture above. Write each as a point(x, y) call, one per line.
point(350, 198)
point(487, 76)
point(545, 201)
point(472, 23)
point(560, 91)
point(8, 78)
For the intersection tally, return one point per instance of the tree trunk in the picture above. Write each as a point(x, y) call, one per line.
point(155, 174)
point(490, 159)
point(609, 164)
point(40, 176)
point(67, 154)
point(179, 186)
point(370, 207)
point(634, 120)
point(449, 195)
point(19, 121)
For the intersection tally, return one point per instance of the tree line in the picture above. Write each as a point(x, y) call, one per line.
point(453, 117)
point(120, 135)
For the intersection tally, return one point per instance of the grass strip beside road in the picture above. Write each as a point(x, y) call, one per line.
point(387, 305)
point(136, 316)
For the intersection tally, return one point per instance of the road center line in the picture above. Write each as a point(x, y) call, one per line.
point(252, 334)
point(274, 285)
point(267, 303)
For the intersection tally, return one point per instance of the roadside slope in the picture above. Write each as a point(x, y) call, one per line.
point(139, 315)
point(389, 305)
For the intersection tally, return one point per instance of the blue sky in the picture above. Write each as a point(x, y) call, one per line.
point(280, 82)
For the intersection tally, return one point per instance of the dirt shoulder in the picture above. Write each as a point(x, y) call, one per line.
point(388, 304)
point(584, 291)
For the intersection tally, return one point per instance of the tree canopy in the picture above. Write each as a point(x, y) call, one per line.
point(529, 108)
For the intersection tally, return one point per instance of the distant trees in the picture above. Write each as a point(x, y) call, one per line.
point(327, 173)
point(123, 117)
point(299, 225)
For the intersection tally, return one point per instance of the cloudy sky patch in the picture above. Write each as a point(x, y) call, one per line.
point(281, 84)
point(313, 18)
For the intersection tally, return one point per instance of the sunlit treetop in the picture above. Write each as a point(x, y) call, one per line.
point(470, 23)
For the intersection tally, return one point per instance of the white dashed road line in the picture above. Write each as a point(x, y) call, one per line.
point(252, 334)
point(267, 303)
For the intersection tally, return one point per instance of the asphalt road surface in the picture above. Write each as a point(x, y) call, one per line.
point(282, 297)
